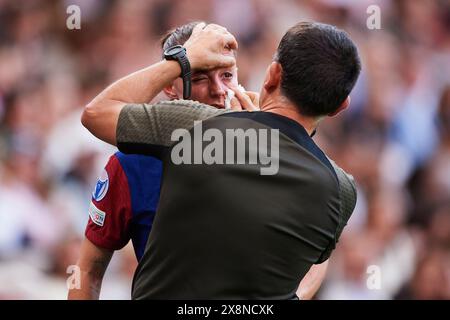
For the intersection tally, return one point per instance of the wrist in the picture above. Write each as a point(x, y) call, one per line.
point(179, 55)
point(174, 67)
point(192, 59)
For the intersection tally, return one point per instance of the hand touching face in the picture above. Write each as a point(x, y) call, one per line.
point(210, 46)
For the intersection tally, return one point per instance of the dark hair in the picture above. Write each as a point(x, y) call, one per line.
point(178, 36)
point(320, 66)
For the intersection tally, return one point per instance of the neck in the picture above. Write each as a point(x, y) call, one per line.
point(285, 108)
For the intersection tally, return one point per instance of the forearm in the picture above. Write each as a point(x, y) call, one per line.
point(92, 265)
point(143, 85)
point(89, 289)
point(101, 114)
point(312, 281)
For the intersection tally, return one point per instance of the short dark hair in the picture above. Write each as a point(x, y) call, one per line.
point(320, 66)
point(178, 36)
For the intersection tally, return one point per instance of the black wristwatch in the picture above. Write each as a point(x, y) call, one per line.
point(178, 53)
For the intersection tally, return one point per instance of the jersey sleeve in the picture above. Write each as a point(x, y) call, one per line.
point(110, 209)
point(147, 128)
point(348, 197)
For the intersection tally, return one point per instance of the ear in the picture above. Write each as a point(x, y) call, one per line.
point(273, 77)
point(344, 105)
point(170, 92)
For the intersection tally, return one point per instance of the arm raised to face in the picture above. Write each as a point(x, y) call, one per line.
point(210, 46)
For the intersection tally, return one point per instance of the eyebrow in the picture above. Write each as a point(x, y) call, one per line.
point(199, 73)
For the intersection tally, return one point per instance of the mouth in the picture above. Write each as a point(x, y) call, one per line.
point(218, 106)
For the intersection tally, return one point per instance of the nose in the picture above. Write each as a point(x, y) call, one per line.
point(217, 88)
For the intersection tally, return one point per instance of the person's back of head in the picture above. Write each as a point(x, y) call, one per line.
point(319, 67)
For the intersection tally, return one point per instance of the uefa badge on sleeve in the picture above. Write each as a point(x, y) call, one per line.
point(101, 188)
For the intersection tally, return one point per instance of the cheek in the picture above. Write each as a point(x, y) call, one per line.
point(178, 86)
point(200, 92)
point(235, 81)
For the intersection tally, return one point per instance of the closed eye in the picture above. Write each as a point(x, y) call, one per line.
point(198, 79)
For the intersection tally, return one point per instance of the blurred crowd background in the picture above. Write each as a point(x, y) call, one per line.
point(394, 139)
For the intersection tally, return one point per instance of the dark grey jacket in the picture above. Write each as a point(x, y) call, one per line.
point(225, 231)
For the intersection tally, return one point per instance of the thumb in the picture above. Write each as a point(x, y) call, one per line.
point(254, 97)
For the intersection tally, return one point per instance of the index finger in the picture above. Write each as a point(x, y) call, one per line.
point(216, 27)
point(199, 27)
point(244, 99)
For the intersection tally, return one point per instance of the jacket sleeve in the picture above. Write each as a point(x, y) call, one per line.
point(148, 128)
point(348, 197)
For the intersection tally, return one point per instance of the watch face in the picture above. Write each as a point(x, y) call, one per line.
point(174, 50)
